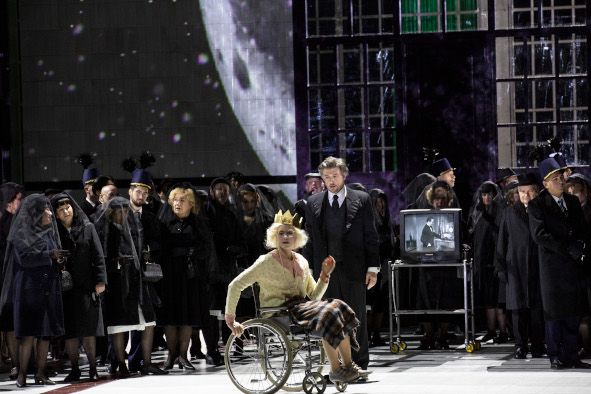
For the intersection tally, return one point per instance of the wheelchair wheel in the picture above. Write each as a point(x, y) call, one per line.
point(259, 361)
point(301, 366)
point(314, 383)
point(341, 386)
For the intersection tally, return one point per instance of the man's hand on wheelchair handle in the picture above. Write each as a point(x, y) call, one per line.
point(236, 328)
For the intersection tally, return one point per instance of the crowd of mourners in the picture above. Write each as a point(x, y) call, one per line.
point(152, 269)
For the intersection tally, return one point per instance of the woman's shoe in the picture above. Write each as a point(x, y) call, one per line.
point(20, 383)
point(186, 364)
point(93, 375)
point(152, 369)
point(43, 381)
point(169, 363)
point(123, 371)
point(73, 376)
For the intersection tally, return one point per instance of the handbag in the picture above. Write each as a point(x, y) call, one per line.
point(153, 272)
point(67, 281)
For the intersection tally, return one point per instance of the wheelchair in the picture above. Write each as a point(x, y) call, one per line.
point(269, 357)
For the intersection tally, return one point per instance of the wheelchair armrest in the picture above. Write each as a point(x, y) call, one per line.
point(272, 309)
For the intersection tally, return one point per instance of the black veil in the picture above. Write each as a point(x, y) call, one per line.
point(27, 240)
point(478, 209)
point(118, 230)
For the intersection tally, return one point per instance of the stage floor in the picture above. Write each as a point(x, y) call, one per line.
point(490, 370)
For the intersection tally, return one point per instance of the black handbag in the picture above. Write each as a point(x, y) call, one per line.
point(67, 281)
point(153, 272)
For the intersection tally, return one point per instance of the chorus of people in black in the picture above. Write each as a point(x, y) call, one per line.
point(203, 239)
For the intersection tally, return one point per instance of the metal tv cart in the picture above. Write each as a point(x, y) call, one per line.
point(396, 342)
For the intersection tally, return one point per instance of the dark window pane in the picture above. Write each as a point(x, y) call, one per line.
point(354, 140)
point(523, 134)
point(580, 16)
point(567, 133)
point(353, 107)
point(543, 52)
point(315, 141)
point(563, 18)
point(544, 116)
point(375, 160)
point(583, 132)
point(565, 58)
point(322, 104)
point(328, 72)
point(583, 153)
point(544, 94)
point(582, 94)
point(523, 155)
point(390, 160)
point(352, 63)
point(544, 132)
point(520, 59)
point(521, 19)
point(354, 159)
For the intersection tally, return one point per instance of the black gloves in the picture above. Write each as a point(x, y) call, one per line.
point(576, 250)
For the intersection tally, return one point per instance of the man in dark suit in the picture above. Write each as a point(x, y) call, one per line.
point(428, 235)
point(557, 225)
point(340, 223)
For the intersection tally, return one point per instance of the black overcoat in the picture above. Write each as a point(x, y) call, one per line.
point(82, 314)
point(517, 259)
point(561, 283)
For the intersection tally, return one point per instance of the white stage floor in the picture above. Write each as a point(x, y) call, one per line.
point(491, 370)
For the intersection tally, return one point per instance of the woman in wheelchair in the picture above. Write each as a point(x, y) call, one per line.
point(284, 278)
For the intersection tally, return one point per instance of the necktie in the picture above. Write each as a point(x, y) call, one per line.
point(562, 206)
point(335, 202)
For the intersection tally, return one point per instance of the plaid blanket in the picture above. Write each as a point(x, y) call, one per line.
point(332, 318)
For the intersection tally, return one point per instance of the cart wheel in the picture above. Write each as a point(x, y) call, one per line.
point(341, 386)
point(314, 383)
point(402, 346)
point(394, 348)
point(478, 345)
point(470, 347)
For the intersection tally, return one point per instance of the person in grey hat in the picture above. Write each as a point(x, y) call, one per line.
point(558, 227)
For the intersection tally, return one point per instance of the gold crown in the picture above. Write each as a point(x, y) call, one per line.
point(287, 218)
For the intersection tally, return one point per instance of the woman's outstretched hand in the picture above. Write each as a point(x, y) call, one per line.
point(236, 328)
point(328, 266)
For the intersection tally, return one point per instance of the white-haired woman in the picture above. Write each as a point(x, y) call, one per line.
point(284, 278)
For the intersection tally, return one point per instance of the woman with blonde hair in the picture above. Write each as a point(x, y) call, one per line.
point(284, 278)
point(186, 253)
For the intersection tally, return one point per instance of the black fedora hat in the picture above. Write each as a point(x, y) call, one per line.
point(527, 179)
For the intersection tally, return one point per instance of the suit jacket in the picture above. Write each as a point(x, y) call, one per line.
point(428, 237)
point(563, 293)
point(360, 238)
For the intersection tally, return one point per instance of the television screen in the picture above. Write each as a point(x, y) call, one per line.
point(430, 235)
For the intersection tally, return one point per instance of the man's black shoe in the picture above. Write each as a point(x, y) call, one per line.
point(520, 353)
point(214, 358)
point(557, 364)
point(581, 365)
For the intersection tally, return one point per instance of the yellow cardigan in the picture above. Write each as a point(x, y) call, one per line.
point(276, 283)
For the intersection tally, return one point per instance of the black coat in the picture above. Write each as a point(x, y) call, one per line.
point(562, 289)
point(37, 295)
point(185, 301)
point(517, 259)
point(82, 314)
point(360, 238)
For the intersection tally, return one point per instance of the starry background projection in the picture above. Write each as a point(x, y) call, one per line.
point(203, 85)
